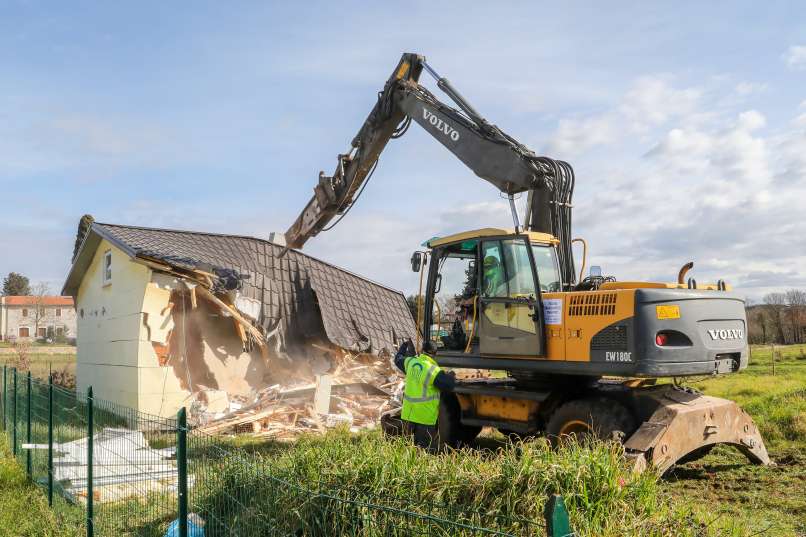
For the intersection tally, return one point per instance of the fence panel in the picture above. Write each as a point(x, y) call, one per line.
point(137, 462)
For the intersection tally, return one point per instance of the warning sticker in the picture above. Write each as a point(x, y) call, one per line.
point(553, 310)
point(668, 312)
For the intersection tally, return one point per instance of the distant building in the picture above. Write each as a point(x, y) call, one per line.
point(37, 317)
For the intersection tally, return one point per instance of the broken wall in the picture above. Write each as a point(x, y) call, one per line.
point(195, 350)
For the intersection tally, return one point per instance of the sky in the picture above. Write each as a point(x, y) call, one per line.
point(685, 124)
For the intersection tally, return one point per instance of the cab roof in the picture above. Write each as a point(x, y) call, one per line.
point(534, 236)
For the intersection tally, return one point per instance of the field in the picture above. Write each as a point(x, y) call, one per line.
point(41, 364)
point(720, 494)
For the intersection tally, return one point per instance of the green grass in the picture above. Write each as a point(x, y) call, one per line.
point(743, 498)
point(24, 510)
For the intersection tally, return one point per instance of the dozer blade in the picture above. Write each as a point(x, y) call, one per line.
point(685, 422)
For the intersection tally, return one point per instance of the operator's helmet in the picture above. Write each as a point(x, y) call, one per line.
point(490, 262)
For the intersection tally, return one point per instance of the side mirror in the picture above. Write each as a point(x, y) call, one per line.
point(596, 271)
point(416, 261)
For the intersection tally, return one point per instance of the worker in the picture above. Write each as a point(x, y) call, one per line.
point(424, 382)
point(493, 277)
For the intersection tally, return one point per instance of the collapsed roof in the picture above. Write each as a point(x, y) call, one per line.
point(286, 292)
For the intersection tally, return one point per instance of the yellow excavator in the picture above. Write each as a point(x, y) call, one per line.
point(582, 353)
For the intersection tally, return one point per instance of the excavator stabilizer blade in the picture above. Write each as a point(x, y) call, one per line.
point(685, 422)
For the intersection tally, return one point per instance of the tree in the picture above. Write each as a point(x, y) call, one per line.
point(796, 301)
point(776, 303)
point(16, 284)
point(84, 226)
point(39, 293)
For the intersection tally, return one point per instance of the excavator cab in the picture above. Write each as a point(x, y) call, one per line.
point(484, 293)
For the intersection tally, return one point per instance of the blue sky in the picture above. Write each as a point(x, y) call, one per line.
point(686, 125)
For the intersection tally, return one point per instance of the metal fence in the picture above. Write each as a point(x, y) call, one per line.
point(111, 470)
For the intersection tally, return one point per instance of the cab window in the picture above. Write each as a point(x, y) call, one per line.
point(548, 271)
point(507, 271)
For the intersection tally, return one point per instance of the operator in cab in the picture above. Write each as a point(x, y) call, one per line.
point(493, 276)
point(424, 382)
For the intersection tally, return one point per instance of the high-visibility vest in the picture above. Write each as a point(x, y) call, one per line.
point(420, 396)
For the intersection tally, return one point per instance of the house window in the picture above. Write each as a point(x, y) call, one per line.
point(58, 312)
point(41, 312)
point(107, 267)
point(25, 312)
point(24, 331)
point(60, 331)
point(42, 332)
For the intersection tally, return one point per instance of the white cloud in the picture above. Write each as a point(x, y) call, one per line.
point(651, 101)
point(795, 57)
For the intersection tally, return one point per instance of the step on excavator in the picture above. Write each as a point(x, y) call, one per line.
point(582, 354)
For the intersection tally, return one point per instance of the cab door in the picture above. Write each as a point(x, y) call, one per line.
point(511, 321)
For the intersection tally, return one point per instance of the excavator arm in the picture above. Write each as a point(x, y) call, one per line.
point(484, 148)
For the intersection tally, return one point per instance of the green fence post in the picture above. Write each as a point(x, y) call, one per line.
point(90, 529)
point(182, 470)
point(14, 417)
point(50, 440)
point(28, 454)
point(557, 521)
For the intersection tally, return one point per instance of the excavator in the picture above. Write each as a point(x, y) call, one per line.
point(582, 355)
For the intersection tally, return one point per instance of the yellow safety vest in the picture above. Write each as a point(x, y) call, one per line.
point(420, 396)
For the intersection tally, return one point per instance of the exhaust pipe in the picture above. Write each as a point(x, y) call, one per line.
point(681, 276)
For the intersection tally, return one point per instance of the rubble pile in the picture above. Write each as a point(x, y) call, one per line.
point(329, 389)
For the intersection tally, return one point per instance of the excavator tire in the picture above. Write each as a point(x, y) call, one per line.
point(451, 430)
point(601, 417)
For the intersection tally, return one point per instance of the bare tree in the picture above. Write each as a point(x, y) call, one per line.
point(796, 304)
point(776, 303)
point(39, 292)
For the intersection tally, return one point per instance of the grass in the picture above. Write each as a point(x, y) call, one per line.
point(24, 508)
point(746, 499)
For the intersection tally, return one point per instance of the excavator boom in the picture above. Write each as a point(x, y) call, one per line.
point(484, 148)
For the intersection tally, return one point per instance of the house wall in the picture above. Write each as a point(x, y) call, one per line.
point(143, 344)
point(13, 319)
point(109, 318)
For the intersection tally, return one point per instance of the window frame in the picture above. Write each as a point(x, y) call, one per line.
point(106, 268)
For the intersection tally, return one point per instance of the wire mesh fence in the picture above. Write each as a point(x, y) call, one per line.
point(112, 470)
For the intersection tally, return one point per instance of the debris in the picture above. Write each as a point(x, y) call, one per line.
point(357, 389)
point(124, 465)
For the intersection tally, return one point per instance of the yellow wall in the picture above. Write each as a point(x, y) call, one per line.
point(109, 319)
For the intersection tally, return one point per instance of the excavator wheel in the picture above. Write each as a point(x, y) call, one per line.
point(601, 417)
point(451, 430)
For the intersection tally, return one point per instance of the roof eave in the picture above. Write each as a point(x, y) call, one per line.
point(84, 257)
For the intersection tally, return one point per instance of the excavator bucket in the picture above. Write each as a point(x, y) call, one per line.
point(685, 424)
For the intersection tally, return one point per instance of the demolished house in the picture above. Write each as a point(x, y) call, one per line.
point(246, 334)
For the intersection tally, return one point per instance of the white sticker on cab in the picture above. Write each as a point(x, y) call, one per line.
point(553, 310)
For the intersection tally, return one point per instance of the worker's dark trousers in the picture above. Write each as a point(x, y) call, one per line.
point(425, 436)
